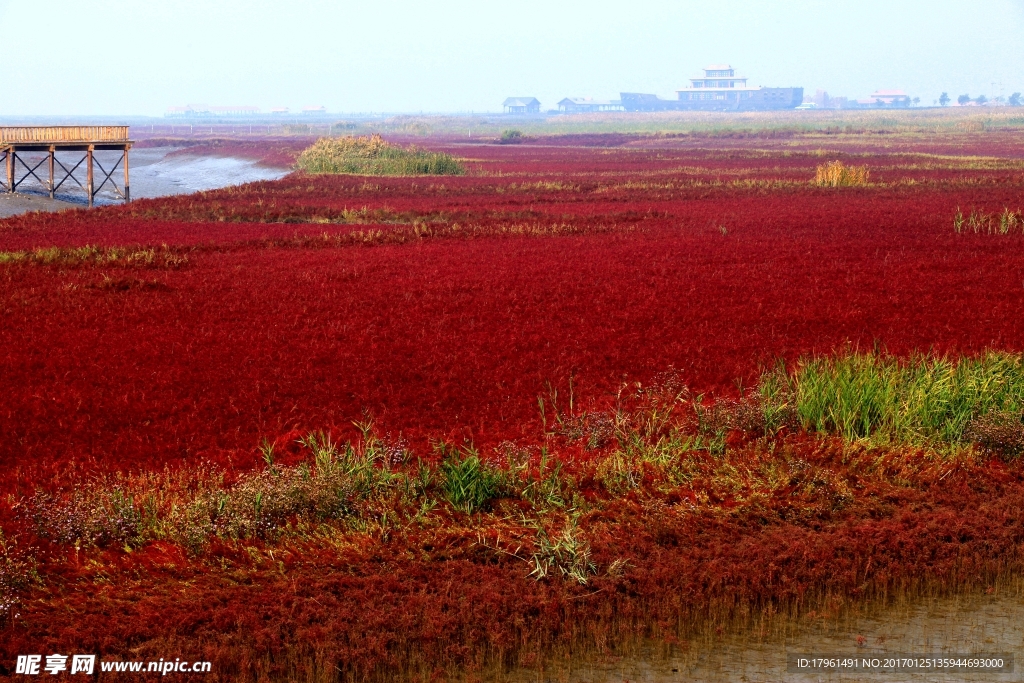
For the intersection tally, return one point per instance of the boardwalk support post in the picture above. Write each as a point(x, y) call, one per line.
point(127, 191)
point(50, 187)
point(88, 175)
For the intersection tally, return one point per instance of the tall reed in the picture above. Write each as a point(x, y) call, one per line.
point(838, 174)
point(1005, 223)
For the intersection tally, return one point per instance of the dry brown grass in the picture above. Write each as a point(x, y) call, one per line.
point(838, 174)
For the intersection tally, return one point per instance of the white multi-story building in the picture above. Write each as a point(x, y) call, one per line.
point(721, 88)
point(718, 89)
point(719, 83)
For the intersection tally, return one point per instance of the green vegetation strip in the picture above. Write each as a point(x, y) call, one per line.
point(373, 156)
point(946, 410)
point(924, 401)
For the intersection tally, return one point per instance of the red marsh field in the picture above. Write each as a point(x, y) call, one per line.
point(587, 389)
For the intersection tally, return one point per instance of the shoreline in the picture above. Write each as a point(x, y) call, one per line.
point(155, 172)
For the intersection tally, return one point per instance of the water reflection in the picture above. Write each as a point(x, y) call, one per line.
point(977, 623)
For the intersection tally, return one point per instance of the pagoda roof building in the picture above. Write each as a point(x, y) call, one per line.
point(721, 89)
point(719, 82)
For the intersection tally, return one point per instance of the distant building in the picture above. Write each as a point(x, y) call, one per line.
point(189, 111)
point(192, 111)
point(572, 105)
point(718, 89)
point(822, 100)
point(279, 111)
point(887, 99)
point(521, 105)
point(234, 111)
point(314, 111)
point(636, 101)
point(719, 85)
point(721, 88)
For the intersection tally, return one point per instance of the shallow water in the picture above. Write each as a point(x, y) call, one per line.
point(992, 624)
point(154, 172)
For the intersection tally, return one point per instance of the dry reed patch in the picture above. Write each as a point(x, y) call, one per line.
point(374, 156)
point(971, 126)
point(838, 174)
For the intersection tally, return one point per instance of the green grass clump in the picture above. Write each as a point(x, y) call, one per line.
point(373, 156)
point(511, 136)
point(925, 401)
point(468, 483)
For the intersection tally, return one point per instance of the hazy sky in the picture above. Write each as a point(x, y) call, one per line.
point(140, 57)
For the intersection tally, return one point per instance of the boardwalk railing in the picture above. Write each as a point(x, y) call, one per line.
point(17, 141)
point(9, 134)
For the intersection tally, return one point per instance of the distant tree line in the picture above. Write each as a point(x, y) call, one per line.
point(1013, 100)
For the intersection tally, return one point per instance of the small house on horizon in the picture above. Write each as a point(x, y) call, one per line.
point(575, 105)
point(521, 105)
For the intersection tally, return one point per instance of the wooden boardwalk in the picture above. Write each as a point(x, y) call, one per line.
point(63, 139)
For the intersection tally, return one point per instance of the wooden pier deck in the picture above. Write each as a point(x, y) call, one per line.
point(63, 139)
